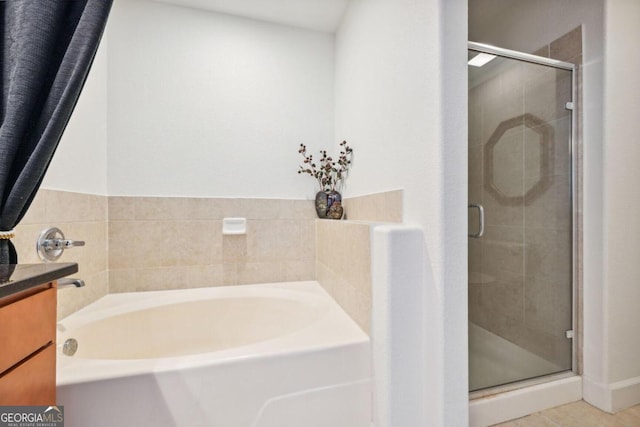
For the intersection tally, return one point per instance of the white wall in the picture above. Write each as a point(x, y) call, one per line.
point(406, 119)
point(80, 162)
point(206, 104)
point(622, 203)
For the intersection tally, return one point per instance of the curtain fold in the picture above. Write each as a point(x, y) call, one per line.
point(46, 52)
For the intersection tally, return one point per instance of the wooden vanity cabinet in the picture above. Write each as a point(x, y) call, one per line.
point(27, 347)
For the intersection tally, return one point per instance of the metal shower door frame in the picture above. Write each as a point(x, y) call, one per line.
point(534, 59)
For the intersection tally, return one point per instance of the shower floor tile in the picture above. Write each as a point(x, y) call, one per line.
point(495, 361)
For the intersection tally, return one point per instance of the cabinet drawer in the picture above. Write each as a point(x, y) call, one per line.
point(33, 382)
point(26, 325)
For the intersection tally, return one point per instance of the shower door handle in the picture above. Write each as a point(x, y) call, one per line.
point(480, 220)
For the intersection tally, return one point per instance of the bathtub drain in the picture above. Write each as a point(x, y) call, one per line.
point(70, 347)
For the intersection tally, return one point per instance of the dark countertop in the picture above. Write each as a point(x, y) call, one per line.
point(16, 278)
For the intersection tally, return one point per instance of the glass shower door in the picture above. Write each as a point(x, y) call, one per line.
point(520, 220)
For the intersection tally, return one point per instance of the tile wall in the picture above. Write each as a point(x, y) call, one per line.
point(80, 217)
point(343, 263)
point(154, 243)
point(167, 243)
point(378, 207)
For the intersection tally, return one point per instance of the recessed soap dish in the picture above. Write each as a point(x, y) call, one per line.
point(234, 226)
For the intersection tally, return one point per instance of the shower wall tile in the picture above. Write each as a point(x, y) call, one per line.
point(475, 261)
point(579, 215)
point(475, 117)
point(552, 209)
point(504, 298)
point(546, 94)
point(497, 213)
point(558, 151)
point(80, 217)
point(499, 109)
point(543, 51)
point(547, 304)
point(173, 242)
point(507, 161)
point(548, 255)
point(475, 171)
point(568, 47)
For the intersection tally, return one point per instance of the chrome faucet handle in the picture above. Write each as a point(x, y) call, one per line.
point(66, 244)
point(52, 243)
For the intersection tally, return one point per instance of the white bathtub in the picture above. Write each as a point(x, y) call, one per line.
point(270, 355)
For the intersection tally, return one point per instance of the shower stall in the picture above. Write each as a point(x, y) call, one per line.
point(521, 217)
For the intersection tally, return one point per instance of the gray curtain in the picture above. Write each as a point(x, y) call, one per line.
point(46, 51)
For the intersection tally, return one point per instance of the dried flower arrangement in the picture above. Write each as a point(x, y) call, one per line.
point(330, 172)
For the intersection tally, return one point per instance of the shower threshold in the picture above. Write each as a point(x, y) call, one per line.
point(505, 403)
point(494, 357)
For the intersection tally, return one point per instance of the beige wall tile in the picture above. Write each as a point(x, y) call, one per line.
point(258, 272)
point(234, 248)
point(25, 242)
point(379, 207)
point(177, 208)
point(99, 207)
point(264, 209)
point(144, 279)
point(186, 236)
point(73, 299)
point(298, 209)
point(80, 217)
point(122, 280)
point(161, 208)
point(260, 209)
point(91, 258)
point(543, 51)
point(204, 276)
point(207, 208)
point(230, 274)
point(164, 243)
point(355, 303)
point(121, 208)
point(567, 47)
point(37, 211)
point(138, 244)
point(275, 240)
point(64, 207)
point(304, 269)
point(343, 266)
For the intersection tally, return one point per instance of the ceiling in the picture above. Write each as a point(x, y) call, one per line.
point(319, 15)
